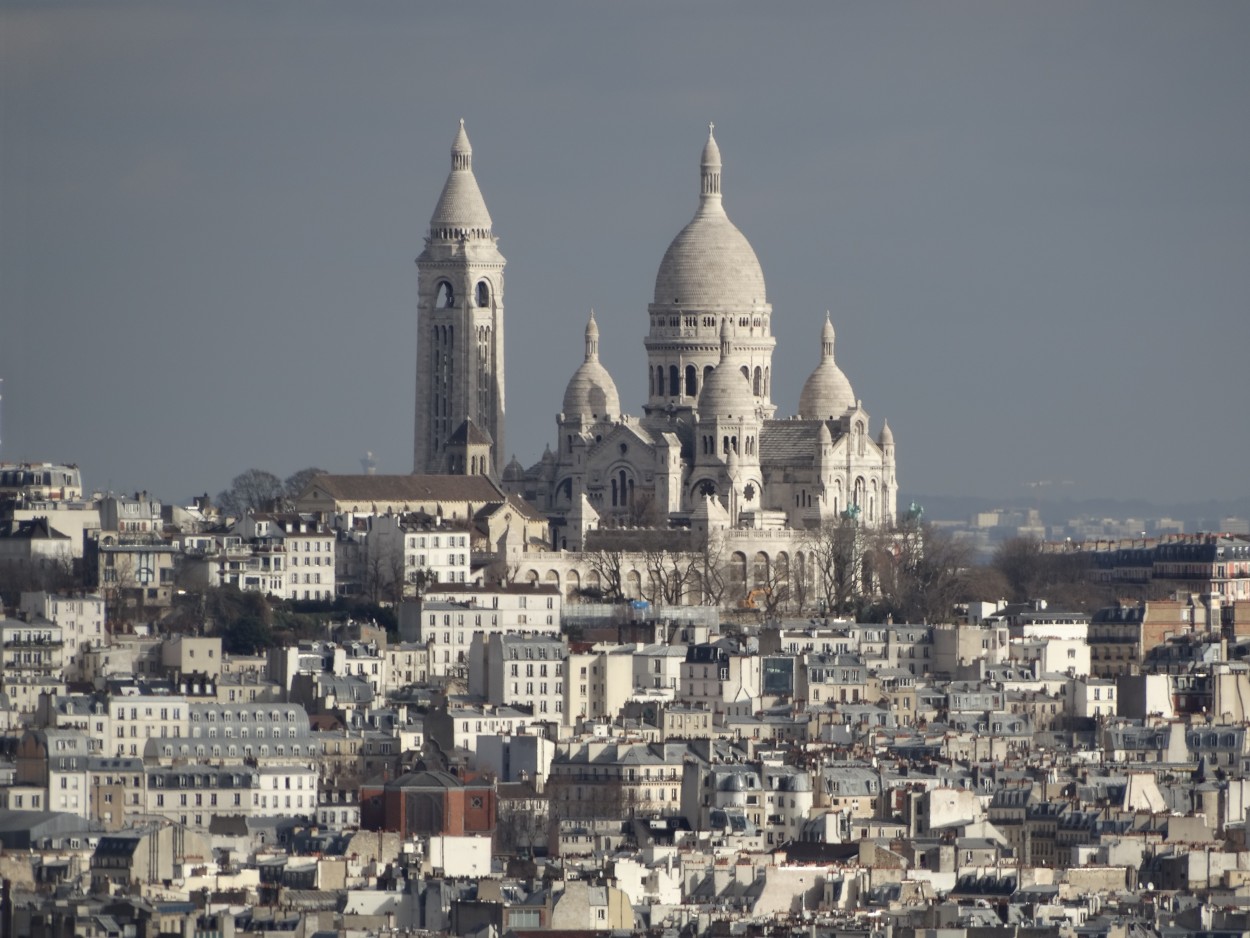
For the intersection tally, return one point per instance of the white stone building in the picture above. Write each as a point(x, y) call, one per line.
point(81, 618)
point(409, 545)
point(136, 716)
point(520, 670)
point(599, 683)
point(709, 424)
point(309, 555)
point(32, 661)
point(406, 663)
point(447, 618)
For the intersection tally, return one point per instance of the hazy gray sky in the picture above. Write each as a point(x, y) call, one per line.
point(1031, 222)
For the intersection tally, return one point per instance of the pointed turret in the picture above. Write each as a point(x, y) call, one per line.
point(461, 210)
point(592, 339)
point(709, 169)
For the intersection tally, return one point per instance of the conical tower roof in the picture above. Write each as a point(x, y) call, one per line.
point(461, 210)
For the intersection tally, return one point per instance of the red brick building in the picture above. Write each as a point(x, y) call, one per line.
point(429, 803)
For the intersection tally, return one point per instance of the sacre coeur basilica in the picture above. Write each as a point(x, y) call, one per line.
point(708, 459)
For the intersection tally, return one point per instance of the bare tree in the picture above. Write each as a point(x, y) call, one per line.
point(296, 482)
point(609, 565)
point(50, 574)
point(712, 573)
point(670, 575)
point(117, 582)
point(375, 576)
point(801, 583)
point(642, 512)
point(920, 571)
point(396, 576)
point(253, 490)
point(1032, 570)
point(777, 587)
point(522, 826)
point(837, 548)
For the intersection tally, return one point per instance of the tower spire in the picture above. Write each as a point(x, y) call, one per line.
point(461, 210)
point(592, 339)
point(709, 169)
point(826, 339)
point(461, 151)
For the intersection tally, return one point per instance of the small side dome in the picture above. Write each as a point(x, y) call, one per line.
point(726, 392)
point(591, 392)
point(827, 392)
point(514, 471)
point(886, 437)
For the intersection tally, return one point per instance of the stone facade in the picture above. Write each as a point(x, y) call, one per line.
point(460, 361)
point(708, 426)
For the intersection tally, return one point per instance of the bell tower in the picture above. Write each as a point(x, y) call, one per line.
point(460, 359)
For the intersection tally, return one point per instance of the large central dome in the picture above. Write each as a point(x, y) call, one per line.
point(710, 264)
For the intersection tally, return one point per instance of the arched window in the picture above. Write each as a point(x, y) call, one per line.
point(446, 296)
point(758, 385)
point(746, 372)
point(692, 381)
point(674, 381)
point(483, 293)
point(759, 569)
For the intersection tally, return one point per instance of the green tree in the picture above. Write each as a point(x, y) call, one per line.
point(248, 635)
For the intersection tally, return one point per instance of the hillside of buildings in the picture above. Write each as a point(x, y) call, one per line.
point(384, 705)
